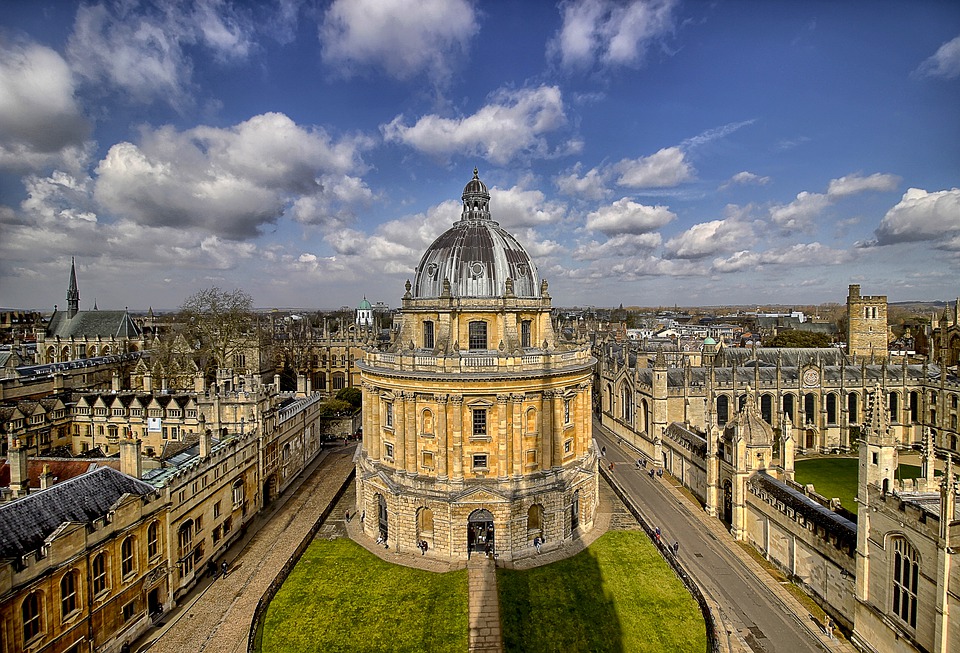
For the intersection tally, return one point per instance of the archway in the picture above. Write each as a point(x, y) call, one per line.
point(727, 516)
point(382, 517)
point(480, 532)
point(575, 512)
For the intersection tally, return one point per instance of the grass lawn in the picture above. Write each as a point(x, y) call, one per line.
point(618, 595)
point(837, 477)
point(340, 597)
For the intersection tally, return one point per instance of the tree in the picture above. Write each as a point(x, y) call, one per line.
point(218, 325)
point(795, 338)
point(351, 395)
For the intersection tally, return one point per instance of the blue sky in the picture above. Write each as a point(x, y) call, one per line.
point(645, 153)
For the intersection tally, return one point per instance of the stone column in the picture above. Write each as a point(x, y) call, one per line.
point(411, 426)
point(503, 404)
point(442, 453)
point(457, 401)
point(516, 434)
point(372, 436)
point(558, 428)
point(399, 443)
point(546, 430)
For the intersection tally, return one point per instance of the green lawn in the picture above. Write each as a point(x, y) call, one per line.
point(618, 595)
point(340, 597)
point(837, 477)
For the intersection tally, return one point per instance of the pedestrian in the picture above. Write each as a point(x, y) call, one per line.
point(656, 534)
point(676, 547)
point(660, 473)
point(651, 473)
point(223, 568)
point(380, 538)
point(346, 515)
point(537, 542)
point(487, 548)
point(603, 451)
point(611, 466)
point(363, 516)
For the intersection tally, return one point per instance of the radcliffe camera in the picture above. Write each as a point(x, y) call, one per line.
point(381, 326)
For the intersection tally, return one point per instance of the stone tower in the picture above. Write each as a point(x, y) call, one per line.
point(477, 418)
point(866, 324)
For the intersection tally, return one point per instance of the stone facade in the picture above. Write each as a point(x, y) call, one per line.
point(867, 331)
point(477, 419)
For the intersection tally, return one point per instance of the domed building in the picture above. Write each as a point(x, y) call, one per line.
point(365, 314)
point(476, 420)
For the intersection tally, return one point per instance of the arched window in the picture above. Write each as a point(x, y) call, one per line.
point(914, 407)
point(339, 381)
point(535, 520)
point(723, 410)
point(906, 571)
point(531, 420)
point(99, 573)
point(127, 557)
point(894, 404)
point(238, 493)
point(766, 408)
point(153, 539)
point(788, 408)
point(809, 408)
point(32, 618)
point(426, 421)
point(478, 335)
point(68, 593)
point(425, 524)
point(853, 409)
point(831, 408)
point(626, 403)
point(185, 552)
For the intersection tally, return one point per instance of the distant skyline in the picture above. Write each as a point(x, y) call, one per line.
point(652, 153)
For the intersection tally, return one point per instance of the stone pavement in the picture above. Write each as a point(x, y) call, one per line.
point(217, 615)
point(484, 606)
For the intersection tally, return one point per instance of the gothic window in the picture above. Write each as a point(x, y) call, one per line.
point(809, 408)
point(68, 593)
point(831, 408)
point(30, 611)
point(894, 404)
point(478, 335)
point(479, 421)
point(185, 542)
point(127, 558)
point(525, 333)
point(339, 381)
point(906, 570)
point(626, 403)
point(99, 573)
point(914, 407)
point(723, 410)
point(788, 406)
point(853, 411)
point(428, 335)
point(766, 408)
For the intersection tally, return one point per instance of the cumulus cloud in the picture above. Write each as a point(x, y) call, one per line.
point(591, 186)
point(800, 214)
point(922, 216)
point(609, 33)
point(403, 37)
point(41, 123)
point(628, 217)
point(517, 207)
point(668, 167)
point(512, 123)
point(619, 246)
point(229, 182)
point(800, 254)
point(708, 238)
point(945, 62)
point(745, 178)
point(142, 49)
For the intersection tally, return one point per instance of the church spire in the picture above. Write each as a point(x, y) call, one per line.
point(73, 292)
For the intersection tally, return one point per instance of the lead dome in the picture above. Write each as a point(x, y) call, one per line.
point(476, 255)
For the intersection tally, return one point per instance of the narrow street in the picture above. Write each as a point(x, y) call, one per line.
point(755, 609)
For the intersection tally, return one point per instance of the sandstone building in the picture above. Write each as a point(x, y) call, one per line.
point(477, 418)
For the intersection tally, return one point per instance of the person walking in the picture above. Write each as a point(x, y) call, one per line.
point(676, 547)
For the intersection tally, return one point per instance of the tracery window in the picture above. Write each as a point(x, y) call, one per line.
point(906, 571)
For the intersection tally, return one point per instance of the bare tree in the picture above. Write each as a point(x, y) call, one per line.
point(218, 325)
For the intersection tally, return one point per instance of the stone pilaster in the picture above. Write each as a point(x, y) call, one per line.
point(410, 430)
point(503, 404)
point(457, 402)
point(442, 438)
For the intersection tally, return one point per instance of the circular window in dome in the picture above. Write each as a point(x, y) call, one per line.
point(522, 270)
point(476, 269)
point(432, 269)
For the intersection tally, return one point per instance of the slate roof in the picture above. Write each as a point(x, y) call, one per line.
point(27, 522)
point(91, 324)
point(840, 527)
point(62, 469)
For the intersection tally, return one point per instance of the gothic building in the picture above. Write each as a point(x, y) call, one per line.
point(477, 417)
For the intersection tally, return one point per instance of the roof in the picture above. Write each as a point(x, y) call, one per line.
point(26, 523)
point(62, 469)
point(92, 324)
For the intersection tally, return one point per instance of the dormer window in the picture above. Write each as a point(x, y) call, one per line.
point(428, 341)
point(525, 333)
point(478, 335)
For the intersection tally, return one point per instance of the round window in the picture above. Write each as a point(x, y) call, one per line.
point(476, 269)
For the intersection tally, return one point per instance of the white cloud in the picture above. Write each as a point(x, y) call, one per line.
point(514, 122)
point(229, 182)
point(715, 133)
point(746, 178)
point(142, 49)
point(608, 33)
point(591, 186)
point(709, 238)
point(404, 37)
point(922, 216)
point(627, 216)
point(40, 120)
point(668, 167)
point(517, 207)
point(945, 62)
point(800, 254)
point(619, 246)
point(853, 184)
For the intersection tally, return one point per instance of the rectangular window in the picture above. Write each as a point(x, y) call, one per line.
point(525, 333)
point(129, 610)
point(479, 461)
point(478, 335)
point(388, 450)
point(568, 446)
point(479, 421)
point(428, 335)
point(388, 415)
point(216, 510)
point(427, 460)
point(566, 411)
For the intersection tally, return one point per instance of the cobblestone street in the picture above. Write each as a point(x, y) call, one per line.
point(217, 615)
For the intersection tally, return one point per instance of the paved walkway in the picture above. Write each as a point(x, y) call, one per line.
point(217, 615)
point(484, 606)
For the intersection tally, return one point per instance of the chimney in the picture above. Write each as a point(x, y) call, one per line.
point(130, 461)
point(147, 381)
point(115, 382)
point(46, 478)
point(206, 438)
point(19, 478)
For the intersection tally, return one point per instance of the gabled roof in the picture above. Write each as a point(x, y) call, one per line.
point(27, 522)
point(92, 324)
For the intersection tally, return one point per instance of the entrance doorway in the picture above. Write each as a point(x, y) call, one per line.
point(727, 516)
point(480, 532)
point(382, 517)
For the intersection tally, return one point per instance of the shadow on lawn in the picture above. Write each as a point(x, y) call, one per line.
point(558, 607)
